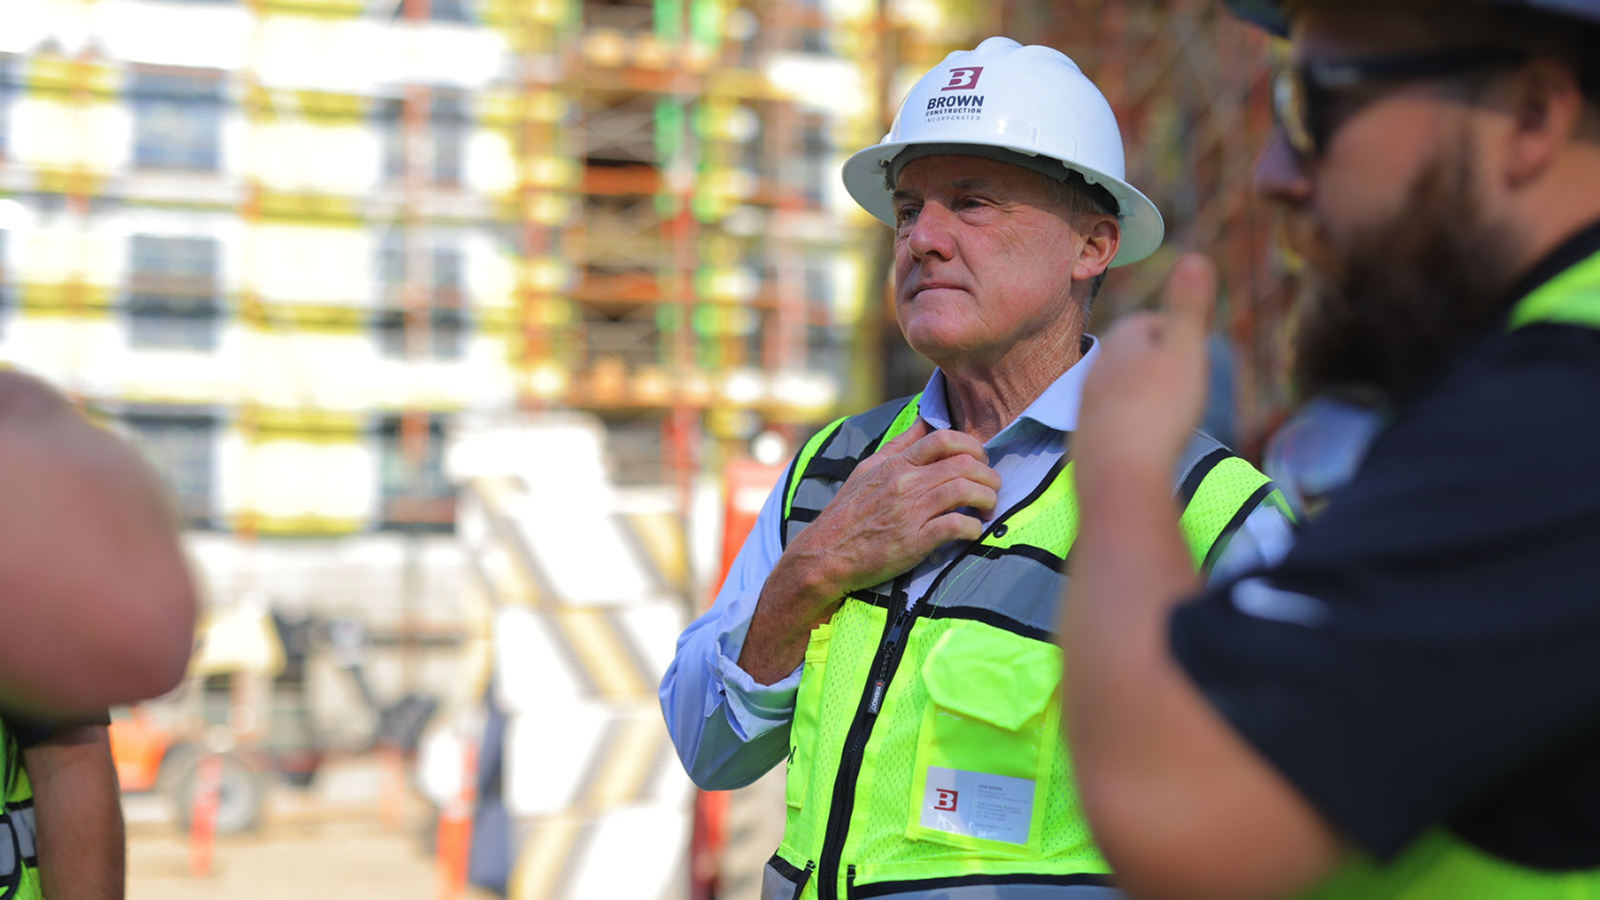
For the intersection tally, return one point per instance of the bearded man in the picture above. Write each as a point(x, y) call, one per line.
point(1405, 705)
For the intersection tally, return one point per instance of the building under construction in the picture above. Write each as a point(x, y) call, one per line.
point(288, 244)
point(285, 241)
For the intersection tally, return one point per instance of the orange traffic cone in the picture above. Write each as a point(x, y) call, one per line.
point(203, 814)
point(455, 830)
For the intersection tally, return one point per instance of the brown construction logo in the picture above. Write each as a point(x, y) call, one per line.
point(963, 79)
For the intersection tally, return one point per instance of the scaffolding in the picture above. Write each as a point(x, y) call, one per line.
point(669, 221)
point(687, 195)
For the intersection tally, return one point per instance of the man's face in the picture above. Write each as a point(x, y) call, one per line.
point(1404, 262)
point(983, 261)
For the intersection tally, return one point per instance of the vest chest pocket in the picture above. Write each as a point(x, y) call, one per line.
point(807, 708)
point(985, 743)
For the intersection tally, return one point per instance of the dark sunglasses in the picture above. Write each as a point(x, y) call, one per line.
point(1311, 100)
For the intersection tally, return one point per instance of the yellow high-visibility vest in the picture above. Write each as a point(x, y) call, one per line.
point(926, 754)
point(19, 856)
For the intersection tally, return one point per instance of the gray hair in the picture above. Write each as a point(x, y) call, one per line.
point(1082, 197)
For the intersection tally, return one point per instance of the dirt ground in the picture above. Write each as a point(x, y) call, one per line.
point(352, 837)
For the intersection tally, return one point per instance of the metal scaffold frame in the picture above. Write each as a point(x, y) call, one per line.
point(681, 290)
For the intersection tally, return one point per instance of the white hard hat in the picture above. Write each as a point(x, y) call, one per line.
point(1002, 96)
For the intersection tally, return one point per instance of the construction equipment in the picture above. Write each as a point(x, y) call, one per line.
point(246, 703)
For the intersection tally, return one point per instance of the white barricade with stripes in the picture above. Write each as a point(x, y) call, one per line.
point(588, 586)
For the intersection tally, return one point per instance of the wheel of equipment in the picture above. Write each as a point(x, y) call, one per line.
point(241, 794)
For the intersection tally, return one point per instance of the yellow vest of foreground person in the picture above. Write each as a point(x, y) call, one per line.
point(1440, 866)
point(19, 872)
point(926, 756)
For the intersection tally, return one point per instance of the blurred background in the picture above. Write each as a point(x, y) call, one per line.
point(468, 336)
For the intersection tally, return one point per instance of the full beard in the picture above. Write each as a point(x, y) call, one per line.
point(1396, 300)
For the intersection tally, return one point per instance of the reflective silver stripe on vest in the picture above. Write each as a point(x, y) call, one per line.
point(1020, 588)
point(859, 432)
point(16, 837)
point(850, 441)
point(775, 886)
point(22, 820)
point(1200, 446)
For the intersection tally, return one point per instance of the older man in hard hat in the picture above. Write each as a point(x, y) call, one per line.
point(1407, 705)
point(887, 628)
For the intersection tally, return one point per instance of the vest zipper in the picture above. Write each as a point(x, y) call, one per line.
point(889, 658)
point(890, 650)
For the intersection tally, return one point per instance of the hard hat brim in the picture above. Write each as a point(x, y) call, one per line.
point(1142, 227)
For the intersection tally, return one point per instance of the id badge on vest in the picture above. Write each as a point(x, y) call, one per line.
point(978, 805)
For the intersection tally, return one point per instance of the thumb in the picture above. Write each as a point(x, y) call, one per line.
point(1190, 296)
point(918, 430)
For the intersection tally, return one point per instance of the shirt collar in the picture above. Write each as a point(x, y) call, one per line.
point(1056, 408)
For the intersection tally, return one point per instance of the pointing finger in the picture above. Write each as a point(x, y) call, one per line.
point(943, 444)
point(1190, 296)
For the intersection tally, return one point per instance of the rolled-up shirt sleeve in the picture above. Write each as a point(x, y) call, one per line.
point(728, 729)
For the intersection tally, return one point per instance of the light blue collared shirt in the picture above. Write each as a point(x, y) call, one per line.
point(729, 730)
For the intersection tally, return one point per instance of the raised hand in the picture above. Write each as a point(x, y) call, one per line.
point(1148, 389)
